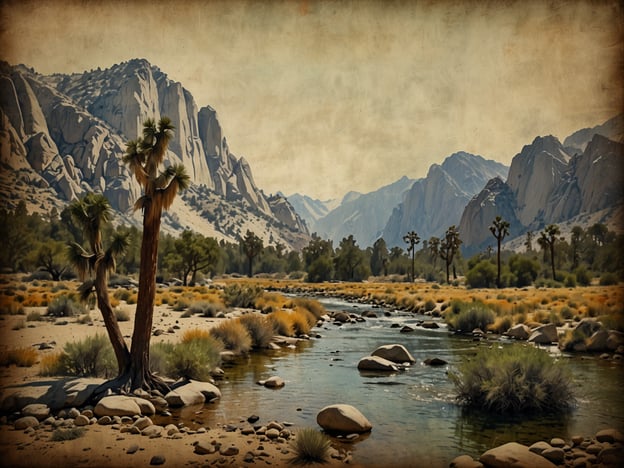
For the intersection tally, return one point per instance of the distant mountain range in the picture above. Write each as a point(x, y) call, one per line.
point(64, 135)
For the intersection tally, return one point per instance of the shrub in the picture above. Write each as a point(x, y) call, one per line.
point(582, 276)
point(181, 304)
point(281, 322)
point(122, 315)
point(72, 433)
point(21, 323)
point(524, 270)
point(482, 275)
point(12, 308)
point(233, 335)
point(193, 358)
point(34, 317)
point(310, 446)
point(91, 357)
point(205, 308)
point(259, 328)
point(64, 306)
point(52, 364)
point(429, 305)
point(300, 320)
point(513, 380)
point(608, 279)
point(85, 319)
point(236, 295)
point(501, 324)
point(471, 315)
point(21, 357)
point(571, 339)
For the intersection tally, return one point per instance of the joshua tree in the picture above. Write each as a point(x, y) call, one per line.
point(547, 240)
point(434, 249)
point(252, 245)
point(449, 246)
point(528, 243)
point(411, 238)
point(90, 213)
point(499, 229)
point(144, 156)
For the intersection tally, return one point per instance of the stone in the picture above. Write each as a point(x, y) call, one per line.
point(519, 332)
point(615, 340)
point(81, 420)
point(406, 329)
point(132, 449)
point(342, 418)
point(274, 382)
point(539, 447)
point(38, 410)
point(121, 405)
point(376, 363)
point(152, 431)
point(610, 435)
point(142, 423)
point(105, 421)
point(588, 326)
point(157, 460)
point(554, 454)
point(598, 341)
point(465, 461)
point(558, 442)
point(544, 334)
point(341, 317)
point(611, 456)
point(229, 451)
point(204, 448)
point(25, 422)
point(191, 393)
point(435, 362)
point(394, 352)
point(514, 455)
point(430, 325)
point(73, 413)
point(272, 433)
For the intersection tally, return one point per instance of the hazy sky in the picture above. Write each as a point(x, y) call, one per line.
point(325, 97)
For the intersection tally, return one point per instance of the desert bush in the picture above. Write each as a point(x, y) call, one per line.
point(583, 277)
point(429, 305)
point(259, 328)
point(181, 304)
point(85, 319)
point(205, 308)
point(608, 279)
point(470, 316)
point(570, 281)
point(236, 295)
point(302, 321)
point(482, 275)
point(193, 358)
point(12, 308)
point(613, 321)
point(501, 324)
point(21, 357)
point(52, 364)
point(233, 335)
point(281, 322)
point(566, 313)
point(19, 324)
point(122, 315)
point(91, 357)
point(122, 294)
point(72, 433)
point(310, 446)
point(34, 316)
point(514, 380)
point(571, 338)
point(64, 306)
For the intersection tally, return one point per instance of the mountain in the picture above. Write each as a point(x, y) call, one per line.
point(311, 209)
point(63, 135)
point(434, 203)
point(363, 215)
point(552, 183)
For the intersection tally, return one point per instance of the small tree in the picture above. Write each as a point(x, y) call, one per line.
point(252, 246)
point(499, 229)
point(192, 253)
point(379, 258)
point(411, 238)
point(449, 246)
point(348, 258)
point(434, 249)
point(547, 240)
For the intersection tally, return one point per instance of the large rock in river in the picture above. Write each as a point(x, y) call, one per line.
point(376, 363)
point(192, 393)
point(514, 455)
point(344, 419)
point(395, 353)
point(545, 334)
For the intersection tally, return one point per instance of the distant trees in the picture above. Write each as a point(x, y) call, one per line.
point(411, 238)
point(349, 261)
point(449, 247)
point(252, 246)
point(434, 249)
point(379, 258)
point(317, 259)
point(548, 238)
point(192, 253)
point(499, 229)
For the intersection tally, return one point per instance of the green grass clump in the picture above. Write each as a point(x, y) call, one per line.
point(91, 357)
point(259, 328)
point(233, 335)
point(64, 306)
point(34, 317)
point(310, 446)
point(470, 315)
point(241, 296)
point(122, 315)
point(513, 380)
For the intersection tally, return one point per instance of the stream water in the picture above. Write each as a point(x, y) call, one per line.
point(414, 416)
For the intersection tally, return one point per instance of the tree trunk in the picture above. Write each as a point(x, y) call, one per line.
point(250, 265)
point(498, 275)
point(122, 354)
point(552, 258)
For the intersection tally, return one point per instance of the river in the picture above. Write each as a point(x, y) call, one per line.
point(415, 419)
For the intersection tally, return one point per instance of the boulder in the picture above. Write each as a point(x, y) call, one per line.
point(615, 340)
point(598, 341)
point(588, 326)
point(519, 332)
point(514, 455)
point(376, 363)
point(539, 447)
point(465, 461)
point(610, 435)
point(38, 410)
point(431, 325)
point(341, 317)
point(544, 334)
point(395, 353)
point(554, 454)
point(435, 362)
point(343, 418)
point(192, 393)
point(121, 405)
point(274, 382)
point(26, 422)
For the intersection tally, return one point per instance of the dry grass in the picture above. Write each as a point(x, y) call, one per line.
point(21, 357)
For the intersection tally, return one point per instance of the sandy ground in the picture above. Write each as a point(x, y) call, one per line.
point(104, 446)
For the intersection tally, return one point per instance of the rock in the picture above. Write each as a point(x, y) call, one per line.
point(229, 451)
point(105, 421)
point(588, 326)
point(611, 456)
point(204, 448)
point(191, 393)
point(81, 420)
point(465, 461)
point(152, 431)
point(376, 363)
point(514, 455)
point(157, 460)
point(142, 423)
point(73, 413)
point(121, 405)
point(25, 422)
point(88, 413)
point(554, 454)
point(430, 324)
point(272, 433)
point(598, 341)
point(406, 329)
point(610, 435)
point(539, 447)
point(132, 449)
point(519, 332)
point(544, 334)
point(343, 418)
point(615, 340)
point(274, 382)
point(38, 410)
point(395, 353)
point(435, 362)
point(341, 317)
point(558, 442)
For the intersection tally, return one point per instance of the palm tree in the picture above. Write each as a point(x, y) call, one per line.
point(90, 213)
point(143, 157)
point(499, 229)
point(547, 240)
point(412, 238)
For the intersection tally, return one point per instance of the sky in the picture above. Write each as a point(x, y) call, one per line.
point(325, 97)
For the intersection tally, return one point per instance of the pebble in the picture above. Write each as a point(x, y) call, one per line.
point(157, 460)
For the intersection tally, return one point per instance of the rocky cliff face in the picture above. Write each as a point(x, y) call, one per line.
point(65, 134)
point(548, 185)
point(436, 202)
